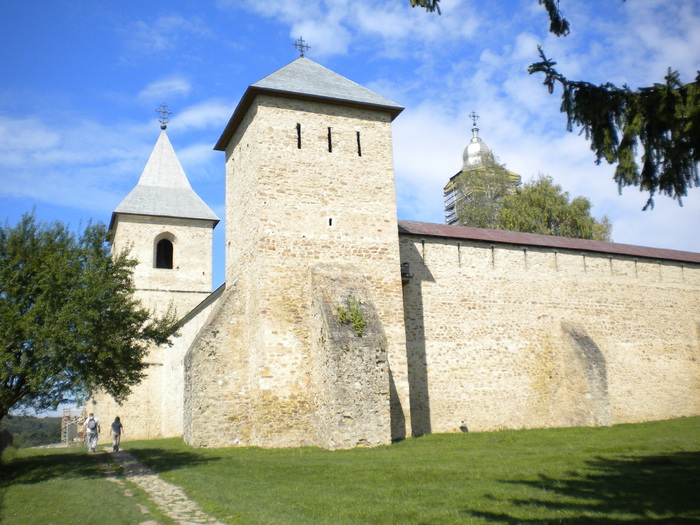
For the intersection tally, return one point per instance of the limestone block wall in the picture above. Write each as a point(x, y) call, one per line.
point(173, 376)
point(192, 257)
point(511, 336)
point(141, 413)
point(155, 407)
point(350, 373)
point(299, 193)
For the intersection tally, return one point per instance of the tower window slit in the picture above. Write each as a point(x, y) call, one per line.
point(298, 136)
point(359, 145)
point(330, 141)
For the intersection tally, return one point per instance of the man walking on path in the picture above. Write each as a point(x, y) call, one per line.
point(92, 432)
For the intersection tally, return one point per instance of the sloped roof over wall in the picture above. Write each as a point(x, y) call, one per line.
point(304, 78)
point(544, 241)
point(163, 189)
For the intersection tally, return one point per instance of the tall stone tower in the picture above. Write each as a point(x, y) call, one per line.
point(168, 229)
point(310, 226)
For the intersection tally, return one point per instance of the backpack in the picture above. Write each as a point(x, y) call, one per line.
point(92, 424)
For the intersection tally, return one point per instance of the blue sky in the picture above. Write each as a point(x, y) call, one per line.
point(81, 82)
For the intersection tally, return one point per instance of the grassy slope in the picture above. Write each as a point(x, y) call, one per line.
point(636, 473)
point(627, 472)
point(63, 486)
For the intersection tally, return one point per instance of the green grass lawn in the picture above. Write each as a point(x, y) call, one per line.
point(64, 486)
point(628, 473)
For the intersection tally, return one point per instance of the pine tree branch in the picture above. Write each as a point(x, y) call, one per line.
point(662, 121)
point(428, 5)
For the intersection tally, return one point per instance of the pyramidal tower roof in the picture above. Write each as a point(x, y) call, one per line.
point(304, 78)
point(163, 189)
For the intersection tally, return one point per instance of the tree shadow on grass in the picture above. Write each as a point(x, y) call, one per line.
point(642, 489)
point(44, 467)
point(163, 459)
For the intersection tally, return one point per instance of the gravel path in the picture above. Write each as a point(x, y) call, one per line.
point(169, 498)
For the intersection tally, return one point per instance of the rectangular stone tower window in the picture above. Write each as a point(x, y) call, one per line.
point(330, 141)
point(359, 146)
point(298, 136)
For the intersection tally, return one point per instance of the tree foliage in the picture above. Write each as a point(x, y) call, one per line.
point(480, 191)
point(32, 431)
point(69, 323)
point(663, 121)
point(541, 206)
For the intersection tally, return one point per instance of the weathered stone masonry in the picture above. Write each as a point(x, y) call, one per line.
point(505, 334)
point(466, 329)
point(311, 221)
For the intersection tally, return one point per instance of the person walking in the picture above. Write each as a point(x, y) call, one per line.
point(116, 431)
point(92, 432)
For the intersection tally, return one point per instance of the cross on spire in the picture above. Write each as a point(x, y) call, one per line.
point(474, 117)
point(301, 46)
point(163, 119)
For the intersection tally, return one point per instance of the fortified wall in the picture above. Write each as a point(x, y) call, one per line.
point(465, 329)
point(512, 330)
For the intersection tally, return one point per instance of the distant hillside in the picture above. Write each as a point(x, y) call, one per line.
point(32, 431)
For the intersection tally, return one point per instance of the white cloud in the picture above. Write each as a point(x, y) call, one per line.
point(206, 114)
point(391, 28)
point(163, 34)
point(24, 138)
point(165, 88)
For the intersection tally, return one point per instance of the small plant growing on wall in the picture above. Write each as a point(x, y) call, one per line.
point(352, 315)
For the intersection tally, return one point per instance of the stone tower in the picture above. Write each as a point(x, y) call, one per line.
point(168, 229)
point(310, 225)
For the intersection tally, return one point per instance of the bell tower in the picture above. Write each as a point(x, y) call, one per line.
point(168, 229)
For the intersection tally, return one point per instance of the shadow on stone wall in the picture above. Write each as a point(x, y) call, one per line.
point(414, 322)
point(592, 363)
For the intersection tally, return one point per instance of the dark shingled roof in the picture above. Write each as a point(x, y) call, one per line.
point(304, 78)
point(545, 241)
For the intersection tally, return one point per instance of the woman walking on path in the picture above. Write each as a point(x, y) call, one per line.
point(116, 432)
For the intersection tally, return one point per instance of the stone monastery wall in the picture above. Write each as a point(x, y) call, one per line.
point(465, 329)
point(514, 336)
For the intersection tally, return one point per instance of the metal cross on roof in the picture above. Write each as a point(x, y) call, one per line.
point(302, 46)
point(474, 117)
point(163, 110)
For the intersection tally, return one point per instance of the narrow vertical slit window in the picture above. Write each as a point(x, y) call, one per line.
point(164, 254)
point(298, 136)
point(359, 145)
point(330, 141)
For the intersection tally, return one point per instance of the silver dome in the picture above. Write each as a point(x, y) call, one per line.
point(475, 151)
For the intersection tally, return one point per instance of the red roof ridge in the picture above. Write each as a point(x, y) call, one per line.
point(544, 241)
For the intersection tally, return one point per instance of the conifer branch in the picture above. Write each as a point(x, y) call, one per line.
point(664, 120)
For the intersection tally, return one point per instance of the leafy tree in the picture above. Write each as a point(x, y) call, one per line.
point(664, 120)
point(32, 431)
point(541, 206)
point(68, 321)
point(480, 191)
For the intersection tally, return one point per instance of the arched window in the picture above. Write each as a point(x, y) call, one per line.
point(164, 254)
